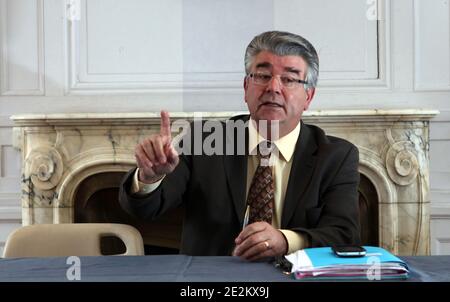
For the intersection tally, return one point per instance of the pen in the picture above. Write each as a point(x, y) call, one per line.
point(246, 216)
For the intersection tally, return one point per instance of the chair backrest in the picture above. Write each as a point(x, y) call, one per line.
point(73, 239)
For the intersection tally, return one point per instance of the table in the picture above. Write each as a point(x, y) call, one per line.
point(180, 268)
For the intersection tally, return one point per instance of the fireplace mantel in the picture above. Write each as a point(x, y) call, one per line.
point(152, 118)
point(59, 151)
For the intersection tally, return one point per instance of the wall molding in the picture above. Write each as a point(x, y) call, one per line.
point(440, 220)
point(438, 245)
point(4, 67)
point(441, 87)
point(440, 211)
point(9, 199)
point(80, 82)
point(10, 213)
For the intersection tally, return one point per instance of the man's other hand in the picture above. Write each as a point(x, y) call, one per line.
point(155, 155)
point(260, 240)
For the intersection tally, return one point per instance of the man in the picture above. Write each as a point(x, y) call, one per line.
point(307, 195)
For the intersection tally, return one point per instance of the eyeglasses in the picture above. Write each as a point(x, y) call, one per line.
point(264, 78)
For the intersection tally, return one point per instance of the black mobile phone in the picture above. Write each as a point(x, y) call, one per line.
point(349, 250)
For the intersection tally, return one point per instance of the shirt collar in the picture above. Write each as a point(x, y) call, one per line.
point(285, 144)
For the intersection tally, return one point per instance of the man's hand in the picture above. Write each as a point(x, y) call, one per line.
point(155, 156)
point(259, 240)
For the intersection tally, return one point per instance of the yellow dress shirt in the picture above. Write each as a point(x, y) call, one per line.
point(282, 163)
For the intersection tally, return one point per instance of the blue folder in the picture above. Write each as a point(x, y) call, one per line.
point(322, 263)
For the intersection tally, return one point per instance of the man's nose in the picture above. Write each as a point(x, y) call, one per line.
point(274, 85)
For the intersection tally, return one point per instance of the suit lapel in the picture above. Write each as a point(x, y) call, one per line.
point(236, 173)
point(302, 168)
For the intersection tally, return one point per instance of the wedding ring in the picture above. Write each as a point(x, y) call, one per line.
point(267, 244)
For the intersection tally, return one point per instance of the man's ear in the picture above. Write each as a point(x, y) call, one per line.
point(309, 97)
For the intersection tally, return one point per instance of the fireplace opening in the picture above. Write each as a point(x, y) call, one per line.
point(368, 212)
point(97, 202)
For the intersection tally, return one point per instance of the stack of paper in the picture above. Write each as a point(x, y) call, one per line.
point(322, 263)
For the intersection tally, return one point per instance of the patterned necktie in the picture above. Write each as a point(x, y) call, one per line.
point(261, 193)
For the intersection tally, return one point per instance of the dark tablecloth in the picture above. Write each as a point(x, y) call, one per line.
point(181, 268)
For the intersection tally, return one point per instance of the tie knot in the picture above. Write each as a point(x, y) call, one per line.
point(265, 148)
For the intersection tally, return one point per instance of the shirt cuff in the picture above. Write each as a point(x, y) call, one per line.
point(140, 188)
point(296, 241)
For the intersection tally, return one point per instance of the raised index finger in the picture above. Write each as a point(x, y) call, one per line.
point(165, 124)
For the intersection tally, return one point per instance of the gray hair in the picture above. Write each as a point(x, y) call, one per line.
point(285, 44)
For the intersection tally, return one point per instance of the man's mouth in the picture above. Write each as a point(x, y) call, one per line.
point(271, 104)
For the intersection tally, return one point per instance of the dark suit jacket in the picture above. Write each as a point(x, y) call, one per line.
point(321, 197)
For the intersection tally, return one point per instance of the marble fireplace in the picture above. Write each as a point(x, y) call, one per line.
point(73, 163)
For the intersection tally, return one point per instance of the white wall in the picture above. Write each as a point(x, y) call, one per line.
point(144, 55)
